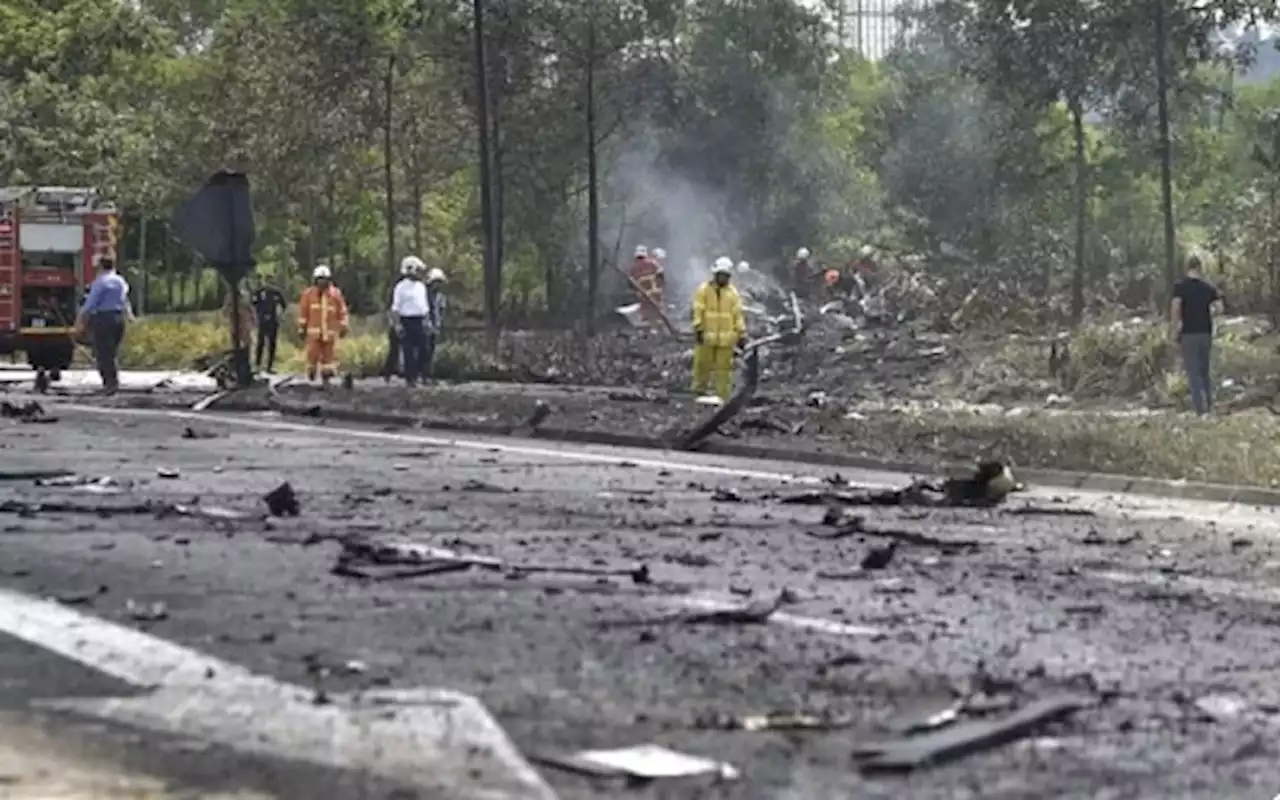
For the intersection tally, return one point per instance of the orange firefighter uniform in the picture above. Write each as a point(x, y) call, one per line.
point(647, 274)
point(720, 328)
point(322, 319)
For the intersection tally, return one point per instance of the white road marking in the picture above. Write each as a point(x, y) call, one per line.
point(444, 741)
point(1103, 501)
point(462, 444)
point(1214, 587)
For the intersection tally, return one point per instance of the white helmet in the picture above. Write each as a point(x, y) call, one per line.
point(802, 253)
point(641, 251)
point(321, 271)
point(723, 266)
point(866, 250)
point(659, 253)
point(743, 266)
point(435, 275)
point(410, 265)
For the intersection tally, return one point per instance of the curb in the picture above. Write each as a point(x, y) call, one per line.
point(1087, 481)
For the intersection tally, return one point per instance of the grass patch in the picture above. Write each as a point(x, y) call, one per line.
point(177, 341)
point(1236, 449)
point(1135, 360)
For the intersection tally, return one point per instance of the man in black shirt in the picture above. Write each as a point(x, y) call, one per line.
point(268, 304)
point(1191, 325)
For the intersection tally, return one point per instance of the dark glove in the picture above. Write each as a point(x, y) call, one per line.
point(698, 337)
point(742, 343)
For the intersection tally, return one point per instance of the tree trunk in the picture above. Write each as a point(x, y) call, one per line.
point(593, 189)
point(492, 286)
point(417, 202)
point(1082, 211)
point(1166, 145)
point(144, 301)
point(388, 158)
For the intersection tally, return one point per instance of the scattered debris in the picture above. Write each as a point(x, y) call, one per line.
point(1043, 511)
point(473, 485)
point(776, 721)
point(962, 739)
point(726, 496)
point(540, 413)
point(40, 476)
point(756, 612)
point(147, 612)
point(282, 502)
point(101, 485)
point(204, 404)
point(31, 509)
point(192, 433)
point(644, 762)
point(879, 557)
point(989, 485)
point(369, 559)
point(168, 473)
point(81, 598)
point(31, 411)
point(856, 526)
point(1221, 707)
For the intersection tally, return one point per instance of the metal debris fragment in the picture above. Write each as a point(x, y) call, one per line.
point(643, 762)
point(857, 527)
point(30, 411)
point(777, 721)
point(282, 502)
point(1049, 511)
point(147, 612)
point(168, 473)
point(193, 433)
point(962, 739)
point(42, 477)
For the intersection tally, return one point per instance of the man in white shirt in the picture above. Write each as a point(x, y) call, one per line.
point(409, 310)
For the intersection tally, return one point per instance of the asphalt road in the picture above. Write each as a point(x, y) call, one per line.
point(1167, 610)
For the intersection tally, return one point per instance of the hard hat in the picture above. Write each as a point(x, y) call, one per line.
point(659, 253)
point(866, 250)
point(831, 277)
point(436, 275)
point(743, 266)
point(322, 271)
point(410, 265)
point(723, 266)
point(641, 251)
point(802, 253)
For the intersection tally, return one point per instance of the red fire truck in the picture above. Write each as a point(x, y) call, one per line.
point(51, 239)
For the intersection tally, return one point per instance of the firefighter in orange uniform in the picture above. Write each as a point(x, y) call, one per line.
point(322, 320)
point(647, 273)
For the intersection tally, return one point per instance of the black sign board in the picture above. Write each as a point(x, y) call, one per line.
point(217, 222)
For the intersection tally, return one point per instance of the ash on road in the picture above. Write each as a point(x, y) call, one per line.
point(1166, 611)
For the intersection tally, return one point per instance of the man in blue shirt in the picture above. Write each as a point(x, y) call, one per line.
point(103, 315)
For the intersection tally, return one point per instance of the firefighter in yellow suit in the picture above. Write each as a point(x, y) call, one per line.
point(719, 327)
point(322, 320)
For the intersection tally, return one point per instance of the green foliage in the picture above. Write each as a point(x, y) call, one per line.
point(958, 148)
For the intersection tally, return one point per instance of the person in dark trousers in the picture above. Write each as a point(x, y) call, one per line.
point(268, 305)
point(435, 313)
point(1191, 327)
point(393, 365)
point(409, 308)
point(103, 316)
